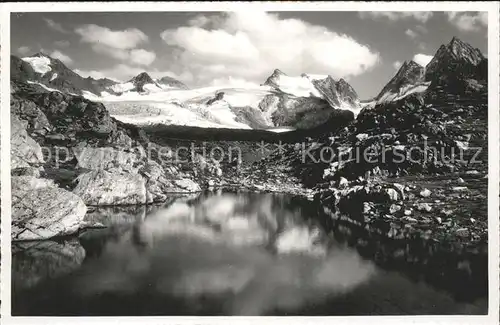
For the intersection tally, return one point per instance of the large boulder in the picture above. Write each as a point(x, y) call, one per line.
point(159, 183)
point(107, 158)
point(25, 152)
point(40, 210)
point(100, 187)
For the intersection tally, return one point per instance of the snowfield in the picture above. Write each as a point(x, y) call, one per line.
point(39, 64)
point(174, 106)
point(43, 86)
point(403, 92)
point(299, 86)
point(148, 113)
point(189, 107)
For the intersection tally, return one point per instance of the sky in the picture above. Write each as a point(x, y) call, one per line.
point(241, 48)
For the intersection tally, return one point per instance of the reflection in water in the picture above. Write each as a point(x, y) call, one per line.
point(233, 254)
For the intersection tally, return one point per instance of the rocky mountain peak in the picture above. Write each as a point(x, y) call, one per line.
point(409, 74)
point(273, 79)
point(337, 93)
point(142, 78)
point(345, 89)
point(171, 82)
point(40, 55)
point(454, 57)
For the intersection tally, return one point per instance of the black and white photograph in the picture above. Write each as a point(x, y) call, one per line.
point(251, 163)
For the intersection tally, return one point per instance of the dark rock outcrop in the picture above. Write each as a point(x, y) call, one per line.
point(60, 77)
point(409, 74)
point(171, 82)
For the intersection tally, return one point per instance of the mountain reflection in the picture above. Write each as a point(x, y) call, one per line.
point(255, 250)
point(231, 254)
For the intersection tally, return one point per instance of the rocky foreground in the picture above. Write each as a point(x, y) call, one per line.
point(67, 154)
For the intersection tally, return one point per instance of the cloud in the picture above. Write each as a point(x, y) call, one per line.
point(411, 33)
point(61, 56)
point(421, 28)
point(118, 44)
point(24, 50)
point(235, 46)
point(117, 39)
point(397, 64)
point(55, 26)
point(422, 59)
point(142, 57)
point(421, 16)
point(62, 43)
point(466, 21)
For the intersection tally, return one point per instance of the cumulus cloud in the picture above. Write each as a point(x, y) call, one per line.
point(421, 16)
point(61, 56)
point(24, 50)
point(233, 44)
point(397, 64)
point(421, 28)
point(118, 39)
point(422, 59)
point(411, 33)
point(56, 26)
point(62, 43)
point(118, 44)
point(142, 57)
point(466, 21)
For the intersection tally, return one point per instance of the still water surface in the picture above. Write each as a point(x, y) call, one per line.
point(239, 254)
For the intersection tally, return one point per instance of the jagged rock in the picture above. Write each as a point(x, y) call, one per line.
point(218, 96)
point(28, 111)
point(409, 76)
point(425, 207)
point(343, 183)
point(393, 194)
point(425, 193)
point(159, 184)
point(171, 82)
point(40, 210)
point(100, 187)
point(394, 208)
point(108, 158)
point(59, 77)
point(141, 80)
point(25, 152)
point(462, 232)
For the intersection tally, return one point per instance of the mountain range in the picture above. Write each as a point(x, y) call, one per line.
point(303, 101)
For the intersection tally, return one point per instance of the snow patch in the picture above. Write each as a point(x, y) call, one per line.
point(281, 130)
point(43, 86)
point(39, 64)
point(298, 86)
point(54, 76)
point(403, 92)
point(152, 88)
point(123, 87)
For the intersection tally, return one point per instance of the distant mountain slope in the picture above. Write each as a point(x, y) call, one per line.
point(456, 66)
point(54, 74)
point(169, 82)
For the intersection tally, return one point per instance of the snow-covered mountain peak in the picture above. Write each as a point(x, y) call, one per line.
point(39, 62)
